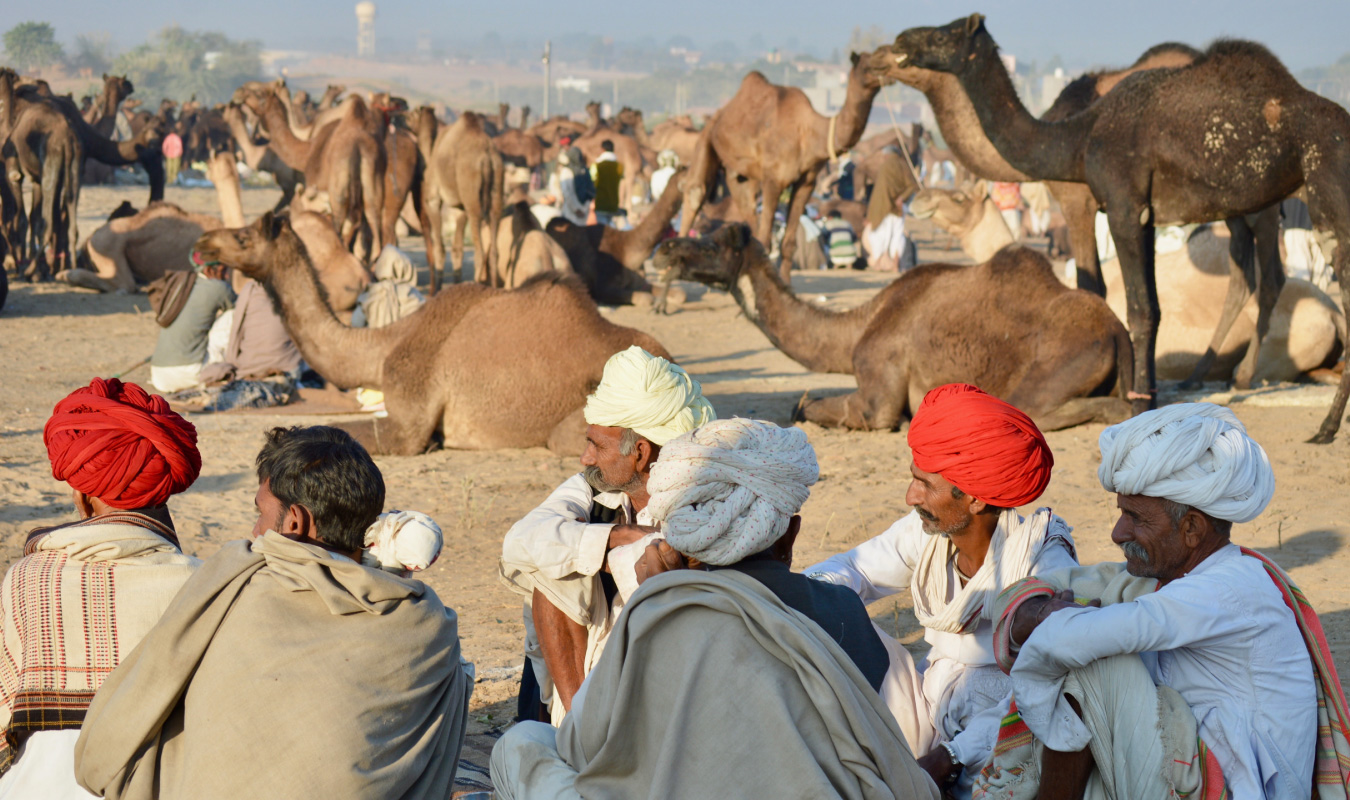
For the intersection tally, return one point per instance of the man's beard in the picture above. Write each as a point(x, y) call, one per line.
point(597, 481)
point(932, 528)
point(1135, 552)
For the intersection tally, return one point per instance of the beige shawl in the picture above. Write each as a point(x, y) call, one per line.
point(711, 687)
point(281, 670)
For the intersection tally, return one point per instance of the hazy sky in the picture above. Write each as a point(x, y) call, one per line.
point(1303, 33)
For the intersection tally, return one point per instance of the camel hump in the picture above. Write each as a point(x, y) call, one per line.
point(546, 281)
point(1015, 261)
point(1248, 54)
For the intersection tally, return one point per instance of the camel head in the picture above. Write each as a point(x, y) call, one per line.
point(717, 260)
point(247, 249)
point(945, 49)
point(953, 210)
point(871, 70)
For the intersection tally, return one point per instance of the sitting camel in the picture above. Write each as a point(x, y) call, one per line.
point(1305, 325)
point(1007, 326)
point(141, 247)
point(546, 346)
point(525, 250)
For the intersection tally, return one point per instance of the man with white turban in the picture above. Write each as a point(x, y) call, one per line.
point(736, 678)
point(1194, 668)
point(976, 459)
point(572, 557)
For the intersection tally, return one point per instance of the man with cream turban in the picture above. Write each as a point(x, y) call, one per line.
point(736, 678)
point(976, 459)
point(572, 557)
point(1194, 668)
point(85, 593)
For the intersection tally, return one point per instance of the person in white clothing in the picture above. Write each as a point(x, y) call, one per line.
point(667, 163)
point(563, 186)
point(976, 459)
point(1189, 671)
point(572, 557)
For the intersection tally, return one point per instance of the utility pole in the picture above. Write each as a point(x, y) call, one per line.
point(548, 79)
point(616, 98)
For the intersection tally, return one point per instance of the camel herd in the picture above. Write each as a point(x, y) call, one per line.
point(1180, 136)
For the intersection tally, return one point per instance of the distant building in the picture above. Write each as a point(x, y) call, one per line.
point(582, 85)
point(365, 28)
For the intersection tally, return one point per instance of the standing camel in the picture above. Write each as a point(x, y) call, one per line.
point(260, 155)
point(463, 171)
point(770, 138)
point(1227, 136)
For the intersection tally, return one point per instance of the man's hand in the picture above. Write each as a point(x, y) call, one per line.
point(1035, 611)
point(621, 535)
point(661, 557)
point(938, 764)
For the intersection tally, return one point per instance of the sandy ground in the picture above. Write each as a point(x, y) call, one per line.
point(54, 338)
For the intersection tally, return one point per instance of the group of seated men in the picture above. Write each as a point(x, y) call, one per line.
point(669, 643)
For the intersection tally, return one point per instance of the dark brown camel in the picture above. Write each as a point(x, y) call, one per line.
point(1227, 136)
point(1008, 326)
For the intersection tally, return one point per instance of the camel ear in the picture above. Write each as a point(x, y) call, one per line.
point(974, 23)
point(855, 58)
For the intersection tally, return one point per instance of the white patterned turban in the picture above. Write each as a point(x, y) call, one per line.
point(402, 541)
point(1196, 454)
point(648, 394)
point(728, 489)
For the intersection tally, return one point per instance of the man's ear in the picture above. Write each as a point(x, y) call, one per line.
point(298, 522)
point(782, 549)
point(1192, 528)
point(647, 452)
point(84, 506)
point(975, 505)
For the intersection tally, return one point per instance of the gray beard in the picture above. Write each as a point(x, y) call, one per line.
point(599, 484)
point(1135, 551)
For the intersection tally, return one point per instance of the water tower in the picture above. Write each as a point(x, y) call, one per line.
point(365, 28)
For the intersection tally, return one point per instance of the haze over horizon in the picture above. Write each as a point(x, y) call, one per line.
point(1082, 35)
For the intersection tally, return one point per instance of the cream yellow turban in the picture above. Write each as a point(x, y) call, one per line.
point(649, 394)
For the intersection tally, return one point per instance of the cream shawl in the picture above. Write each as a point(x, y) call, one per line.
point(282, 670)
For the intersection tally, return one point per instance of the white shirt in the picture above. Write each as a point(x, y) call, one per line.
point(884, 565)
point(1222, 637)
point(659, 180)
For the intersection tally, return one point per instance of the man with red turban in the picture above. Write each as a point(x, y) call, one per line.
point(976, 459)
point(85, 593)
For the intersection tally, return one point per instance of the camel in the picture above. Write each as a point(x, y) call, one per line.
point(39, 143)
point(1008, 326)
point(1250, 135)
point(142, 247)
point(520, 148)
point(330, 96)
point(342, 159)
point(261, 156)
point(547, 345)
point(463, 171)
point(1304, 327)
point(525, 250)
point(102, 116)
point(771, 137)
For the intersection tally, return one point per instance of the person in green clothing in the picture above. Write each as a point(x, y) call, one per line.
point(180, 350)
point(606, 173)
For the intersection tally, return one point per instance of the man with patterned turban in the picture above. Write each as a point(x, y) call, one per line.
point(976, 459)
point(1196, 667)
point(736, 678)
point(572, 557)
point(85, 593)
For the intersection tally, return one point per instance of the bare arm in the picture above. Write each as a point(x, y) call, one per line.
point(564, 644)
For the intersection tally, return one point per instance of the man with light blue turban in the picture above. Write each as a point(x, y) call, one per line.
point(572, 557)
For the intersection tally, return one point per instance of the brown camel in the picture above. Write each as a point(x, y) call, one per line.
point(343, 160)
point(770, 138)
point(547, 348)
point(463, 171)
point(330, 96)
point(142, 247)
point(520, 148)
point(626, 150)
point(102, 116)
point(1007, 326)
point(1306, 328)
point(1248, 135)
point(525, 250)
point(261, 156)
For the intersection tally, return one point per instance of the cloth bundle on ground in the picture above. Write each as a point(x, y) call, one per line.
point(712, 687)
point(402, 542)
point(648, 394)
point(392, 296)
point(727, 490)
point(114, 441)
point(283, 670)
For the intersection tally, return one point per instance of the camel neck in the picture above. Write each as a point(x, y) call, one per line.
point(648, 231)
point(253, 152)
point(818, 339)
point(961, 129)
point(290, 149)
point(988, 235)
point(852, 117)
point(1041, 150)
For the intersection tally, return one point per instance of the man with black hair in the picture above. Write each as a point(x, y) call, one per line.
point(607, 174)
point(285, 668)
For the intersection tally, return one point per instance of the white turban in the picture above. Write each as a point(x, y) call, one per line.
point(402, 541)
point(1196, 454)
point(728, 489)
point(649, 394)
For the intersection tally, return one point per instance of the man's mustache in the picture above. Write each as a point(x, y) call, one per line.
point(1136, 551)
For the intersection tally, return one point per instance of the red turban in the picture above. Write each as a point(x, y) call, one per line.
point(982, 445)
point(115, 442)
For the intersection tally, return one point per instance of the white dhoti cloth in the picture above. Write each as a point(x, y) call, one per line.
point(45, 768)
point(887, 239)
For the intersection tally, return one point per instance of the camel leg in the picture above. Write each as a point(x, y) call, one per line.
point(698, 184)
point(407, 431)
point(1080, 216)
point(568, 437)
point(1327, 181)
point(882, 396)
point(457, 248)
point(372, 198)
point(72, 211)
point(1131, 227)
point(340, 204)
point(769, 191)
point(1266, 226)
point(797, 198)
point(1241, 286)
point(433, 224)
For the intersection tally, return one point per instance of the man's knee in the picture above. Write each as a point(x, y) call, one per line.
point(528, 745)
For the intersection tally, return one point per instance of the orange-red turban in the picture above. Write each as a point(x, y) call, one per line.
point(982, 445)
point(113, 441)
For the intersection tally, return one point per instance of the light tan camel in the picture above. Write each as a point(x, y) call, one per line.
point(1007, 326)
point(141, 248)
point(463, 171)
point(546, 346)
point(769, 138)
point(1305, 325)
point(525, 250)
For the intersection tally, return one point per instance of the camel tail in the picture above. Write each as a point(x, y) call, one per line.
point(493, 189)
